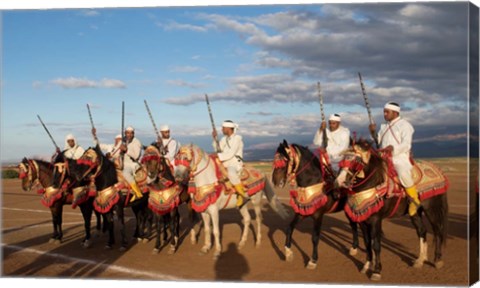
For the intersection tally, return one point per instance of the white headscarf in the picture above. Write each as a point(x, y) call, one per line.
point(70, 137)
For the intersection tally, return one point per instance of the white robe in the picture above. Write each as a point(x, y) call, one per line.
point(74, 152)
point(172, 146)
point(399, 134)
point(130, 159)
point(113, 149)
point(231, 156)
point(338, 141)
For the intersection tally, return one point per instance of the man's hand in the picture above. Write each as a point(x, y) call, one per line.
point(323, 126)
point(214, 134)
point(123, 148)
point(373, 128)
point(94, 132)
point(388, 149)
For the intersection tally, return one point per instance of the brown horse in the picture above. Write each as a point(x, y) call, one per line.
point(375, 195)
point(310, 199)
point(39, 174)
point(165, 197)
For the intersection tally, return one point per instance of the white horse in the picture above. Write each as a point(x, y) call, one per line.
point(208, 197)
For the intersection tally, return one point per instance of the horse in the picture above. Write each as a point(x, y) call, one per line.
point(36, 173)
point(113, 194)
point(204, 177)
point(165, 197)
point(375, 194)
point(313, 196)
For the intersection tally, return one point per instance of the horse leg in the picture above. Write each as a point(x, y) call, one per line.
point(288, 241)
point(53, 211)
point(87, 216)
point(208, 237)
point(246, 224)
point(108, 217)
point(354, 226)
point(258, 218)
point(99, 220)
point(166, 223)
point(136, 234)
point(376, 237)
point(317, 226)
point(216, 230)
point(417, 222)
point(368, 246)
point(174, 229)
point(158, 242)
point(121, 218)
point(192, 216)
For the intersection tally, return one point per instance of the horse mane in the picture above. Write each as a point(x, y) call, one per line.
point(309, 155)
point(43, 163)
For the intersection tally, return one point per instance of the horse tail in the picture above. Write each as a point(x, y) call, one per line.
point(274, 201)
point(438, 216)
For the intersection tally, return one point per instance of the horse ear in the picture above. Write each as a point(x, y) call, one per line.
point(24, 160)
point(285, 143)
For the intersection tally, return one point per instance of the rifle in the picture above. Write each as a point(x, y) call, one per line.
point(48, 132)
point(368, 108)
point(217, 144)
point(162, 149)
point(91, 122)
point(324, 132)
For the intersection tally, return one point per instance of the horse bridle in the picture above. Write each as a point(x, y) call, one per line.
point(292, 163)
point(186, 156)
point(153, 154)
point(27, 171)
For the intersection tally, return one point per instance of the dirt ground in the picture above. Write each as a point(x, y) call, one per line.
point(27, 253)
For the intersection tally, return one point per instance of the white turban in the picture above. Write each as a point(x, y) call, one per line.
point(130, 128)
point(119, 136)
point(164, 128)
point(229, 124)
point(392, 106)
point(335, 117)
point(70, 137)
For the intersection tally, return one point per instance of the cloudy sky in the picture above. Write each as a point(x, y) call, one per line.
point(258, 64)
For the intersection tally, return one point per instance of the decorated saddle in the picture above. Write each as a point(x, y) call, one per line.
point(306, 200)
point(428, 178)
point(163, 200)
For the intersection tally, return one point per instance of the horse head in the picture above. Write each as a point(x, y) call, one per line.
point(355, 164)
point(152, 160)
point(25, 173)
point(184, 160)
point(281, 161)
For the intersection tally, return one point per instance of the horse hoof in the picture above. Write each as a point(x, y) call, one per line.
point(122, 249)
point(418, 264)
point(288, 255)
point(241, 245)
point(171, 251)
point(439, 264)
point(193, 241)
point(86, 244)
point(366, 268)
point(216, 255)
point(204, 250)
point(145, 240)
point(376, 277)
point(155, 251)
point(108, 247)
point(353, 251)
point(258, 245)
point(57, 241)
point(51, 240)
point(311, 265)
point(139, 240)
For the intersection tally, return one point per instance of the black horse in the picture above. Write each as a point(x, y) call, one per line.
point(363, 171)
point(65, 189)
point(163, 186)
point(313, 198)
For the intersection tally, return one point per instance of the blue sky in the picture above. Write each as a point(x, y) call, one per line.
point(259, 64)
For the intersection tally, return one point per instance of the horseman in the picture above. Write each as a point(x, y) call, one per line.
point(72, 150)
point(395, 138)
point(231, 147)
point(112, 151)
point(170, 144)
point(338, 139)
point(131, 150)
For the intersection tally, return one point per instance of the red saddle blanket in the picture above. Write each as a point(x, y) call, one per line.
point(428, 178)
point(163, 201)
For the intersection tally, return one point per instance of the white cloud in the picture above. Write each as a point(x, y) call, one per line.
point(89, 13)
point(186, 69)
point(76, 83)
point(181, 83)
point(173, 26)
point(37, 84)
